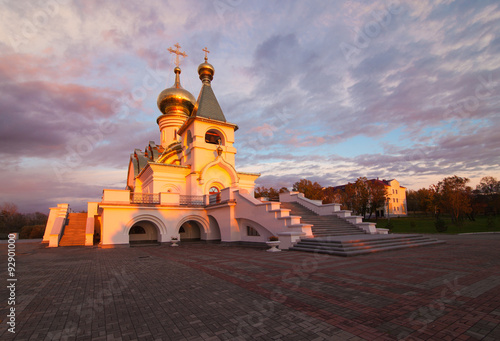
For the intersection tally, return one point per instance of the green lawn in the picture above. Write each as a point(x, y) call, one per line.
point(425, 224)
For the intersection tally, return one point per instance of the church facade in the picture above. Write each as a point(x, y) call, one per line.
point(186, 187)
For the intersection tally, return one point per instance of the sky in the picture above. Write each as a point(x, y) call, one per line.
point(324, 90)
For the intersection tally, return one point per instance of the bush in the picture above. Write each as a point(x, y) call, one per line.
point(32, 232)
point(440, 225)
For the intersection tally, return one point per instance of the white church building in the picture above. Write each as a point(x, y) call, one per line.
point(187, 186)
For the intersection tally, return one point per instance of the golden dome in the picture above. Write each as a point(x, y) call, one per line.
point(176, 97)
point(206, 72)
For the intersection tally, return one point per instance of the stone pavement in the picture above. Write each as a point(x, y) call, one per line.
point(219, 292)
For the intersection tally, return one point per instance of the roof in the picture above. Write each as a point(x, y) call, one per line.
point(207, 105)
point(140, 159)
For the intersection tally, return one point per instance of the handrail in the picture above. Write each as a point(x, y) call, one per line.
point(191, 200)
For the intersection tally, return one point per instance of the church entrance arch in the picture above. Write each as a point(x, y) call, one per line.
point(143, 232)
point(190, 231)
point(214, 230)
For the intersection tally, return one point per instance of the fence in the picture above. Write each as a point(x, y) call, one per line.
point(144, 198)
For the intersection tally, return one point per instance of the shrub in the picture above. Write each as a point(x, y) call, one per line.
point(32, 232)
point(440, 225)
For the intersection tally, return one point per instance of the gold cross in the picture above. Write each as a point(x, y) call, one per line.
point(177, 53)
point(206, 55)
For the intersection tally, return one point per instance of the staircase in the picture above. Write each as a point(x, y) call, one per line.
point(74, 231)
point(336, 236)
point(366, 244)
point(323, 225)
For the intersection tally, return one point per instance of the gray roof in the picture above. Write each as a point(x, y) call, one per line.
point(207, 105)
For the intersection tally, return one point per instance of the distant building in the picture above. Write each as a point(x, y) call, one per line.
point(396, 201)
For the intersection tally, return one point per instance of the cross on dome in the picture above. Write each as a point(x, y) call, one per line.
point(206, 53)
point(177, 53)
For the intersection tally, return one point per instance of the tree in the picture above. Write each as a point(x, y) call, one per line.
point(356, 196)
point(313, 191)
point(486, 198)
point(260, 192)
point(264, 192)
point(10, 219)
point(377, 196)
point(426, 201)
point(488, 185)
point(330, 195)
point(344, 197)
point(454, 197)
point(412, 201)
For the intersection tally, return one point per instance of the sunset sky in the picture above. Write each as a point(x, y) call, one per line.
point(324, 90)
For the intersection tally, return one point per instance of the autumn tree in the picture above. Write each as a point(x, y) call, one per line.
point(10, 219)
point(488, 185)
point(487, 196)
point(412, 201)
point(356, 196)
point(264, 192)
point(453, 196)
point(377, 196)
point(426, 201)
point(313, 191)
point(420, 200)
point(330, 195)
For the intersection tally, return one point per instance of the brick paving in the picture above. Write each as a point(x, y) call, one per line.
point(218, 292)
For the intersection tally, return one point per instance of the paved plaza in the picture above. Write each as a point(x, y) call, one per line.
point(218, 292)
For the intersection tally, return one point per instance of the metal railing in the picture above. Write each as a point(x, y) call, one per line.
point(214, 199)
point(144, 198)
point(192, 200)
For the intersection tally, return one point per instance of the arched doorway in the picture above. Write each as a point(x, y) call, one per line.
point(214, 230)
point(143, 232)
point(190, 231)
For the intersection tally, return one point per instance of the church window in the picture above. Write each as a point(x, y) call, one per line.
point(214, 195)
point(252, 232)
point(213, 137)
point(137, 230)
point(181, 230)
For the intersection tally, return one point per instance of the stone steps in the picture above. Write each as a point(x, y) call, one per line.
point(360, 245)
point(74, 231)
point(322, 225)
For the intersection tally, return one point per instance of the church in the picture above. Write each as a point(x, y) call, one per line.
point(187, 187)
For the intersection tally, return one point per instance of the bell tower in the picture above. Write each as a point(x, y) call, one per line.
point(175, 103)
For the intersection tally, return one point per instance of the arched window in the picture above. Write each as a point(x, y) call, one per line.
point(214, 195)
point(213, 137)
point(189, 137)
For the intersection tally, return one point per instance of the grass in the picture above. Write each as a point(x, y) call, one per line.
point(425, 224)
